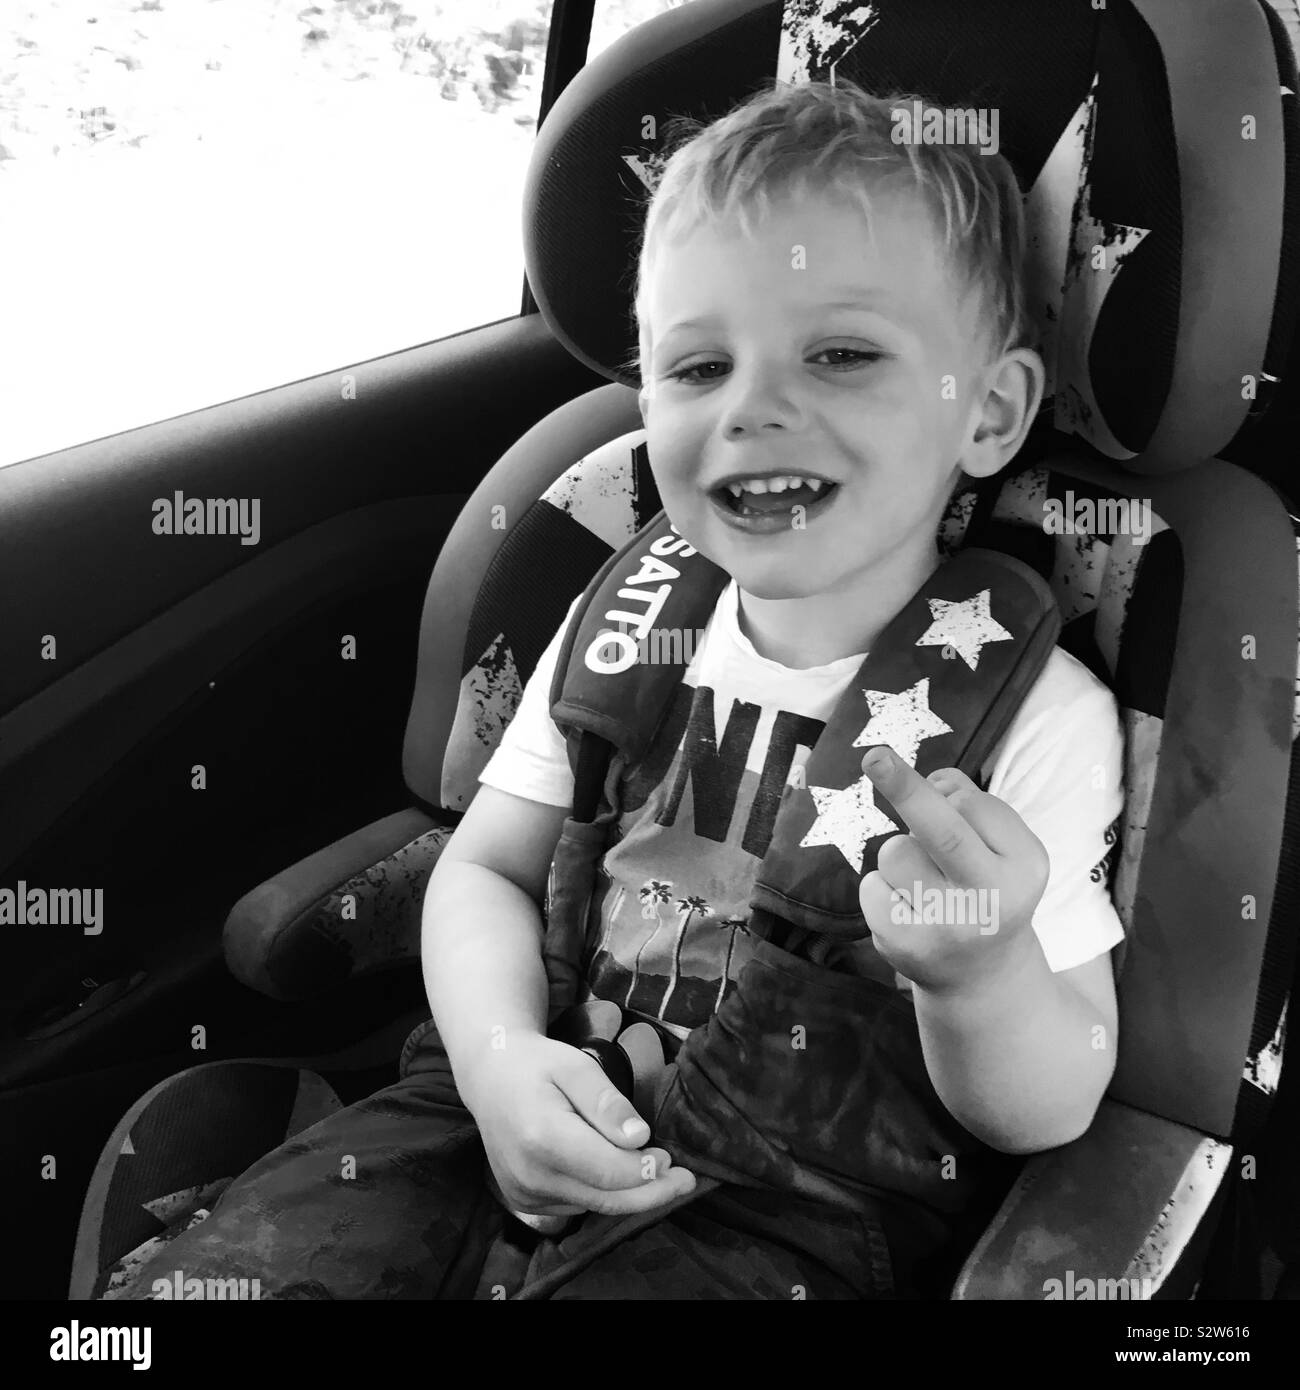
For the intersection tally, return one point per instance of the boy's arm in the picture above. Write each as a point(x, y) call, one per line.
point(559, 1137)
point(482, 926)
point(1023, 1058)
point(1019, 1055)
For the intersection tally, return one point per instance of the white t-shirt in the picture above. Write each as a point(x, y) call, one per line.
point(667, 936)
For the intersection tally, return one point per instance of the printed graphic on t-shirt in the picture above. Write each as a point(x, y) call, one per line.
point(668, 932)
point(1101, 871)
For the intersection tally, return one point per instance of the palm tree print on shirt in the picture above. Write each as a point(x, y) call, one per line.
point(735, 924)
point(652, 892)
point(686, 909)
point(611, 916)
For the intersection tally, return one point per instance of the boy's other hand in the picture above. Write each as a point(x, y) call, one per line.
point(560, 1137)
point(978, 868)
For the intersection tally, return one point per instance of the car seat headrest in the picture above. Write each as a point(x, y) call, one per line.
point(1146, 134)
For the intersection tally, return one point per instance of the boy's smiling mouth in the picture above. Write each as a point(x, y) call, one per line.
point(766, 501)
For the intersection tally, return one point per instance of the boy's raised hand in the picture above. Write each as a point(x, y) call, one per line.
point(560, 1137)
point(960, 839)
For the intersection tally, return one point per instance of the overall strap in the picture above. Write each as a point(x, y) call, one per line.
point(940, 685)
point(640, 604)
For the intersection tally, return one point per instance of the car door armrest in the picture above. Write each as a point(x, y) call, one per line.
point(1110, 1215)
point(351, 908)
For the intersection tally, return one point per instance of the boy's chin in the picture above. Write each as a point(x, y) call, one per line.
point(768, 578)
point(764, 583)
point(764, 576)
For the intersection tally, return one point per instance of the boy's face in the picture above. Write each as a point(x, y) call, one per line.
point(781, 374)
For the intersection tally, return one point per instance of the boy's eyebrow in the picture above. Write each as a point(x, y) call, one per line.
point(858, 299)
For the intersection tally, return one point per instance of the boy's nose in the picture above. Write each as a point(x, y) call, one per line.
point(763, 404)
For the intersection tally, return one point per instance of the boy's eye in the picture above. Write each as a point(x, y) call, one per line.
point(688, 373)
point(854, 356)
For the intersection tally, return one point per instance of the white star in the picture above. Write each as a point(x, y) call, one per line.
point(648, 166)
point(1067, 289)
point(963, 624)
point(847, 818)
point(903, 720)
point(816, 39)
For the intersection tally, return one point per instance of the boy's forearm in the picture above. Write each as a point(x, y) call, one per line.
point(482, 960)
point(1017, 1060)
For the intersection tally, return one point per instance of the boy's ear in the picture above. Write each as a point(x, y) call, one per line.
point(1013, 391)
point(642, 399)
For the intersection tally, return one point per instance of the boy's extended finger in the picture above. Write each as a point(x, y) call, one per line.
point(942, 830)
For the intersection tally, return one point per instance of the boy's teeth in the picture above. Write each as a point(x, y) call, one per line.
point(765, 487)
point(760, 485)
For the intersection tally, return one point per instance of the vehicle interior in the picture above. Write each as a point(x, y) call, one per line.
point(258, 752)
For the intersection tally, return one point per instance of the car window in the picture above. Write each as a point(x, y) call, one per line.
point(200, 199)
point(611, 19)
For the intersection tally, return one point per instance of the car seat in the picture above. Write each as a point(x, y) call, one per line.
point(1156, 145)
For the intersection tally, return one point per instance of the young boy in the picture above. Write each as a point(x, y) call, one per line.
point(807, 287)
point(833, 322)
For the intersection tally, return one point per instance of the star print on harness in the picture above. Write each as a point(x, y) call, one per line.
point(809, 1078)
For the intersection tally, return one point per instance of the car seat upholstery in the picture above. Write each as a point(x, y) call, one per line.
point(1164, 276)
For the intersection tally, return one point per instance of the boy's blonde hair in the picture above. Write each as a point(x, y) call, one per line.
point(814, 138)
